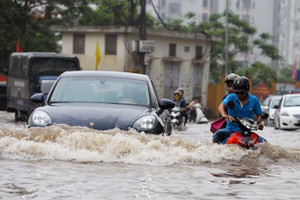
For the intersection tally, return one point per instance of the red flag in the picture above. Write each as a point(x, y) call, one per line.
point(19, 49)
point(295, 70)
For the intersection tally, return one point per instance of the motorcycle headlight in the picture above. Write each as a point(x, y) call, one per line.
point(145, 123)
point(246, 124)
point(41, 118)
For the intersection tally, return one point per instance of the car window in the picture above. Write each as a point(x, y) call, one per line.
point(275, 102)
point(101, 90)
point(291, 101)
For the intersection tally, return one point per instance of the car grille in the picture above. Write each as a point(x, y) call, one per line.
point(297, 116)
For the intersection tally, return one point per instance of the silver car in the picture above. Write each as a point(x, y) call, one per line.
point(274, 101)
point(287, 113)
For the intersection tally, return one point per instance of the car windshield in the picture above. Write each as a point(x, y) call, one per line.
point(266, 101)
point(291, 101)
point(101, 90)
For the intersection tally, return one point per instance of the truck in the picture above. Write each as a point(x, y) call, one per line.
point(34, 72)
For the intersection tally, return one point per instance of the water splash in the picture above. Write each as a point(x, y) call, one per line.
point(79, 144)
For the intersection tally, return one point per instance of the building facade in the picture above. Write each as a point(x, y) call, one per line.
point(279, 18)
point(177, 60)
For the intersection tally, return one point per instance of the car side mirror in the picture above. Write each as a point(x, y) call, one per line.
point(165, 104)
point(37, 98)
point(277, 106)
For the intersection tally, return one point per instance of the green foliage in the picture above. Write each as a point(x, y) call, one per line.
point(239, 33)
point(262, 72)
point(285, 74)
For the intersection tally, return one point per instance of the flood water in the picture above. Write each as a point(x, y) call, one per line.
point(62, 162)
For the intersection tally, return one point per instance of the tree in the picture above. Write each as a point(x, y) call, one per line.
point(260, 72)
point(239, 32)
point(29, 21)
point(285, 74)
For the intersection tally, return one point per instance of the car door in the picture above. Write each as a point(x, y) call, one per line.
point(277, 114)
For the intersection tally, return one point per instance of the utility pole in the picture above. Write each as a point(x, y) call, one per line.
point(141, 56)
point(226, 41)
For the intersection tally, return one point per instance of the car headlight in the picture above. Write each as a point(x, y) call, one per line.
point(145, 123)
point(285, 114)
point(41, 118)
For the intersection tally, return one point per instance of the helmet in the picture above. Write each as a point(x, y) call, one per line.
point(176, 92)
point(241, 83)
point(231, 77)
point(181, 91)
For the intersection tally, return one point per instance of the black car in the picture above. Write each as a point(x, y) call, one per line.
point(103, 100)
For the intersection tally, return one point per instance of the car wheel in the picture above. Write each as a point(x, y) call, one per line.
point(168, 128)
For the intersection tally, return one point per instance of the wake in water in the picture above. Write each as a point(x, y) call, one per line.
point(78, 144)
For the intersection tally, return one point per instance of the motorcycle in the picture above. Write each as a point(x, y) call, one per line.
point(200, 117)
point(176, 118)
point(246, 138)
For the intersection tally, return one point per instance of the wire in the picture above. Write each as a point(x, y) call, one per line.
point(206, 53)
point(159, 17)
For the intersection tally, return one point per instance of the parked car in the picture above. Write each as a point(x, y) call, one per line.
point(274, 101)
point(287, 114)
point(104, 100)
point(265, 104)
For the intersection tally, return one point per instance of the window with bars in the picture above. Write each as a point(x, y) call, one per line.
point(78, 43)
point(199, 53)
point(172, 50)
point(111, 44)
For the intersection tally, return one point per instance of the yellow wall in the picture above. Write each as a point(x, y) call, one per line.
point(215, 95)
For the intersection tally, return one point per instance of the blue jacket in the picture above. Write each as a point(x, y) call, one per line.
point(251, 107)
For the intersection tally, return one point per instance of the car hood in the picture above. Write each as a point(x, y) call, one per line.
point(291, 110)
point(97, 116)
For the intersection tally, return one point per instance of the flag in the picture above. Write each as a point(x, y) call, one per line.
point(97, 55)
point(18, 49)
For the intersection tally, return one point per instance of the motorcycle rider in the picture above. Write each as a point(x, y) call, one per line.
point(182, 99)
point(181, 103)
point(229, 82)
point(192, 109)
point(245, 105)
